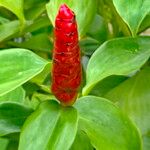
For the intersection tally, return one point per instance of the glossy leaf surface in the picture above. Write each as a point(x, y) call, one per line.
point(106, 126)
point(12, 117)
point(22, 66)
point(132, 12)
point(51, 124)
point(116, 57)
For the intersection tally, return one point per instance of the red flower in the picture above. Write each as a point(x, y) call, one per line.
point(66, 70)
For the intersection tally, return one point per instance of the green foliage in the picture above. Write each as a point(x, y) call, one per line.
point(133, 18)
point(17, 95)
point(8, 29)
point(100, 119)
point(132, 97)
point(50, 124)
point(80, 138)
point(16, 6)
point(116, 77)
point(116, 57)
point(21, 67)
point(3, 143)
point(12, 117)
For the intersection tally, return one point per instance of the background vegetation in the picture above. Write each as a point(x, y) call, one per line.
point(112, 111)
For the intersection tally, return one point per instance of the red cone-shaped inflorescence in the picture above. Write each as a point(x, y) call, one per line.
point(66, 70)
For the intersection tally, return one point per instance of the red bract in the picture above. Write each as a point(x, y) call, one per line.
point(66, 70)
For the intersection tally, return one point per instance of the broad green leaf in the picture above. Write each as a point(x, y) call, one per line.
point(84, 60)
point(8, 29)
point(106, 126)
point(132, 12)
point(146, 142)
point(17, 67)
point(31, 3)
point(34, 8)
point(133, 97)
point(120, 56)
point(106, 85)
point(41, 77)
point(41, 41)
point(3, 20)
point(88, 45)
point(12, 136)
point(98, 29)
point(12, 117)
point(17, 95)
point(3, 143)
point(145, 23)
point(39, 23)
point(30, 88)
point(33, 13)
point(51, 124)
point(81, 142)
point(15, 6)
point(12, 145)
point(37, 98)
point(83, 9)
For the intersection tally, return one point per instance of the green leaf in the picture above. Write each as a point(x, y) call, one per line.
point(3, 20)
point(106, 85)
point(31, 3)
point(132, 12)
point(116, 57)
point(3, 143)
point(106, 126)
point(30, 88)
point(88, 45)
point(15, 6)
point(85, 7)
point(116, 26)
point(17, 95)
point(33, 13)
point(98, 29)
point(21, 67)
point(34, 8)
point(146, 142)
point(8, 29)
point(51, 124)
point(38, 98)
point(39, 23)
point(133, 97)
point(145, 23)
point(81, 142)
point(41, 40)
point(41, 77)
point(12, 145)
point(12, 117)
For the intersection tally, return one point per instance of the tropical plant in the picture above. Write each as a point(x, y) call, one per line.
point(112, 108)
